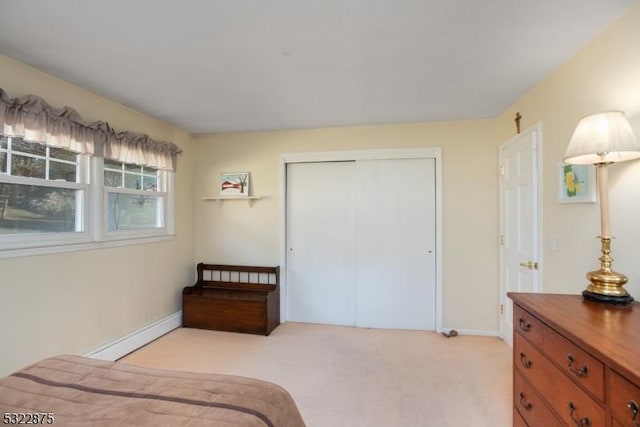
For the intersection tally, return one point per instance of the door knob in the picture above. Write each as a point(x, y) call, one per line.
point(529, 265)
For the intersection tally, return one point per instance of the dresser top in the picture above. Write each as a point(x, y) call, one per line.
point(610, 332)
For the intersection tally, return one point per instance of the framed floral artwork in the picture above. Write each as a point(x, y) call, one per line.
point(576, 183)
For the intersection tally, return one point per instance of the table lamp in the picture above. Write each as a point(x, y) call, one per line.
point(601, 139)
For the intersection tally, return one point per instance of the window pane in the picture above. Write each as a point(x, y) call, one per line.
point(35, 209)
point(62, 154)
point(132, 181)
point(64, 171)
point(132, 168)
point(18, 144)
point(112, 179)
point(3, 162)
point(110, 164)
point(131, 211)
point(150, 183)
point(3, 142)
point(27, 166)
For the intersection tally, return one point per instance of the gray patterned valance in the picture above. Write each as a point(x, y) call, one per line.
point(33, 119)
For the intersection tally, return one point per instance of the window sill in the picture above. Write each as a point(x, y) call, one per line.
point(86, 246)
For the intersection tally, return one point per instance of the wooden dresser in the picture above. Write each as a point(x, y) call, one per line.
point(576, 363)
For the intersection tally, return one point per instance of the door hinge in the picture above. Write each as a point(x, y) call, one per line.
point(501, 308)
point(502, 170)
point(501, 240)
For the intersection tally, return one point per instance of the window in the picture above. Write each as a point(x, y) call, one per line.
point(48, 200)
point(135, 197)
point(42, 191)
point(60, 193)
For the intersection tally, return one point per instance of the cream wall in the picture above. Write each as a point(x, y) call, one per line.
point(236, 232)
point(75, 302)
point(604, 75)
point(78, 301)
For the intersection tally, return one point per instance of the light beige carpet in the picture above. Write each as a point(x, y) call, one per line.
point(342, 376)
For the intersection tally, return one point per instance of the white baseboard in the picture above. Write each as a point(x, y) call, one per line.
point(473, 332)
point(136, 339)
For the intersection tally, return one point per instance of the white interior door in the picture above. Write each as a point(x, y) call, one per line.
point(519, 256)
point(321, 243)
point(395, 220)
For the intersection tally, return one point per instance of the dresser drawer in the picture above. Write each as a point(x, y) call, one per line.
point(529, 406)
point(571, 403)
point(577, 363)
point(529, 326)
point(616, 423)
point(625, 400)
point(518, 421)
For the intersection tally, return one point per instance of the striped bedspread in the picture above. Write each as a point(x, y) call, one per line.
point(77, 391)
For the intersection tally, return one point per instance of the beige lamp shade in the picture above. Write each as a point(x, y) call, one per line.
point(603, 138)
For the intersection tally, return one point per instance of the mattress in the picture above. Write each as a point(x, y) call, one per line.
point(77, 391)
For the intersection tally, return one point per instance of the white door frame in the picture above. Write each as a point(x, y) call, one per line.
point(537, 276)
point(351, 155)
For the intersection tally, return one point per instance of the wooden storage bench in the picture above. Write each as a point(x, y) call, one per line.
point(233, 298)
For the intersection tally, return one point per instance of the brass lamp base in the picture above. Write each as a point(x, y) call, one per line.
point(607, 285)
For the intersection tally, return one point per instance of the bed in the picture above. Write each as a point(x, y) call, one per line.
point(78, 391)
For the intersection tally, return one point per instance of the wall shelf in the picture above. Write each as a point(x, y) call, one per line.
point(220, 199)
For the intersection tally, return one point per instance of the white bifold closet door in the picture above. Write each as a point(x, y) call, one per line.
point(361, 243)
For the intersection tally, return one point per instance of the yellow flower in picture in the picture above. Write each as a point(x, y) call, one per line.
point(574, 185)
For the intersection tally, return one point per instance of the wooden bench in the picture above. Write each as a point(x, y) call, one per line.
point(233, 298)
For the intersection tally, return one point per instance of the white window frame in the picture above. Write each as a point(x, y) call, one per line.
point(92, 217)
point(82, 188)
point(164, 208)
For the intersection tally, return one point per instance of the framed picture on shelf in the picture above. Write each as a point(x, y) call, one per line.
point(576, 183)
point(234, 184)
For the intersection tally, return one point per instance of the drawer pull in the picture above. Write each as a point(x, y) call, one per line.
point(524, 362)
point(582, 372)
point(526, 405)
point(582, 422)
point(524, 326)
point(633, 407)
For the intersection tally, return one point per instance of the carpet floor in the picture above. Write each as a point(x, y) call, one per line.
point(343, 376)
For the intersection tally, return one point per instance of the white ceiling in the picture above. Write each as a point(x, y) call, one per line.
point(235, 65)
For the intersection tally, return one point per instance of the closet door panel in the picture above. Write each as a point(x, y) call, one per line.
point(395, 243)
point(321, 243)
